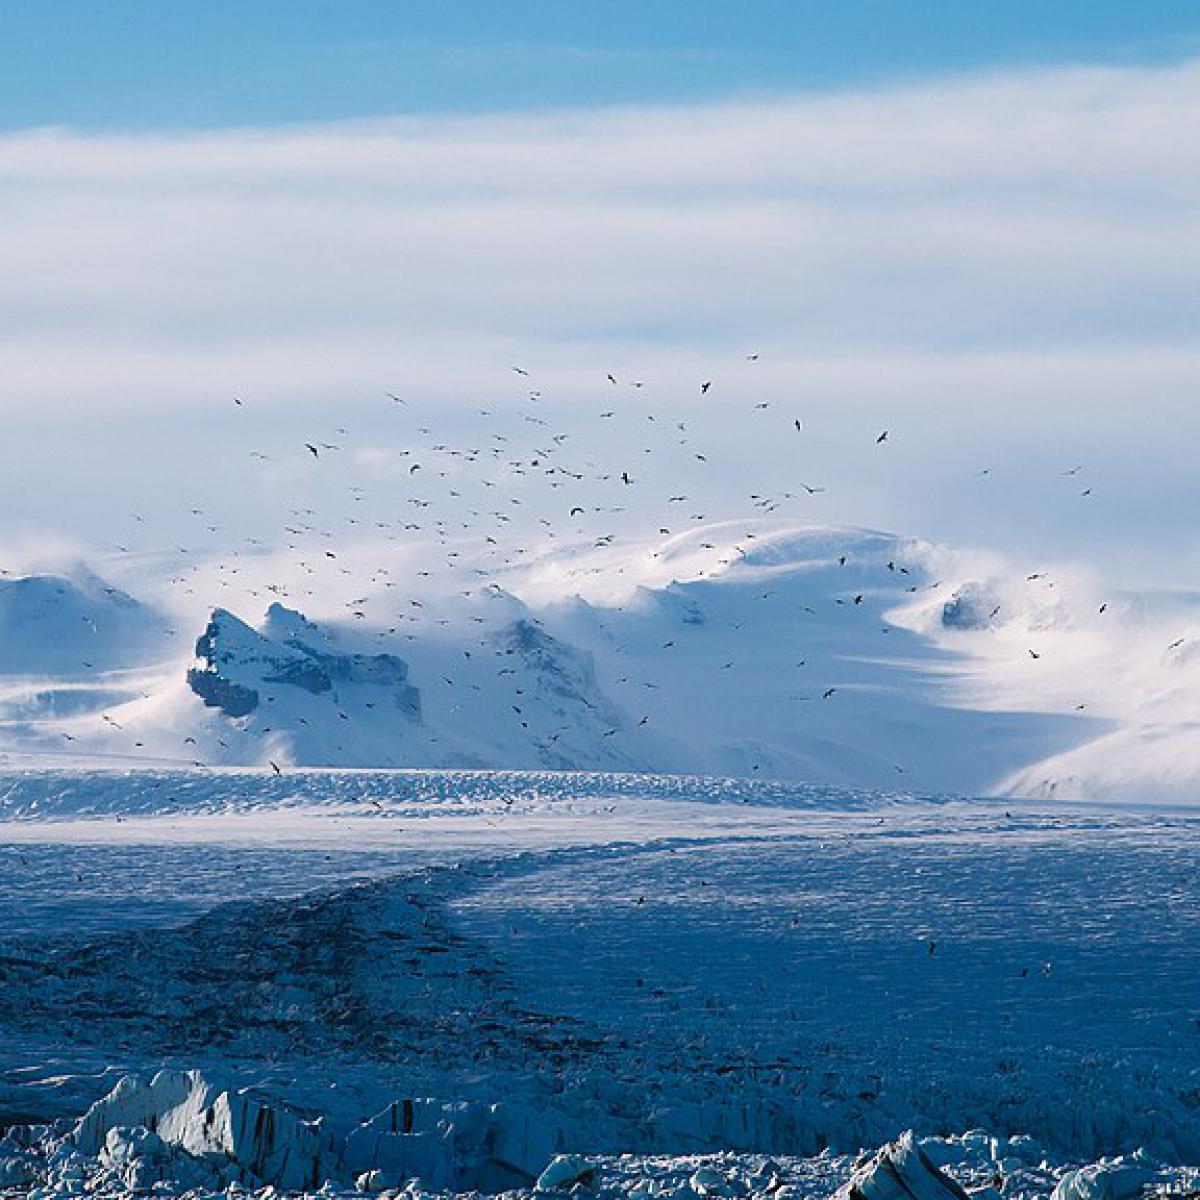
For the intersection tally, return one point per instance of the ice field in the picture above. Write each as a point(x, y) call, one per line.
point(590, 965)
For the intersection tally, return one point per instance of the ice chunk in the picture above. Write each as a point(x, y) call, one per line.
point(272, 1143)
point(901, 1171)
point(1119, 1179)
point(563, 1171)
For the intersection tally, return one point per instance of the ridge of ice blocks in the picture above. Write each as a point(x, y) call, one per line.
point(181, 1132)
point(185, 1130)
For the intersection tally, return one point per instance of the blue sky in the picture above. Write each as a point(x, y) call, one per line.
point(138, 64)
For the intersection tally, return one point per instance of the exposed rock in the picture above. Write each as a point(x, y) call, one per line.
point(229, 644)
point(218, 692)
point(561, 679)
point(971, 607)
point(237, 661)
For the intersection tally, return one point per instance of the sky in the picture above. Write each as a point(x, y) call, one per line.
point(974, 225)
point(144, 64)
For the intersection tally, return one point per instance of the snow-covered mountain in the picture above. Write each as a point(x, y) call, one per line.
point(73, 623)
point(238, 663)
point(756, 649)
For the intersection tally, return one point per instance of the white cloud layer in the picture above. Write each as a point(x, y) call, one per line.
point(1002, 269)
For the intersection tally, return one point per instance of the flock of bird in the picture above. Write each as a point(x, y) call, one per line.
point(477, 505)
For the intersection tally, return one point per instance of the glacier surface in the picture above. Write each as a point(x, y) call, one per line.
point(608, 984)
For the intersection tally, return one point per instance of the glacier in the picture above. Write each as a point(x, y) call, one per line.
point(512, 982)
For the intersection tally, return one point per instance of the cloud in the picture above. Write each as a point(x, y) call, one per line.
point(1002, 267)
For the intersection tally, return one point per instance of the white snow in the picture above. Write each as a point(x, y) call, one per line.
point(755, 649)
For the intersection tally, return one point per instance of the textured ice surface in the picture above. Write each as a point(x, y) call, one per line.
point(599, 965)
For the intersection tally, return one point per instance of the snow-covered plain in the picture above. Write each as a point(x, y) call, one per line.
point(518, 966)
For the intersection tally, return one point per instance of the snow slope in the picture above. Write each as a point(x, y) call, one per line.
point(65, 624)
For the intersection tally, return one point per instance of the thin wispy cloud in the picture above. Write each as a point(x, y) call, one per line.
point(1019, 247)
